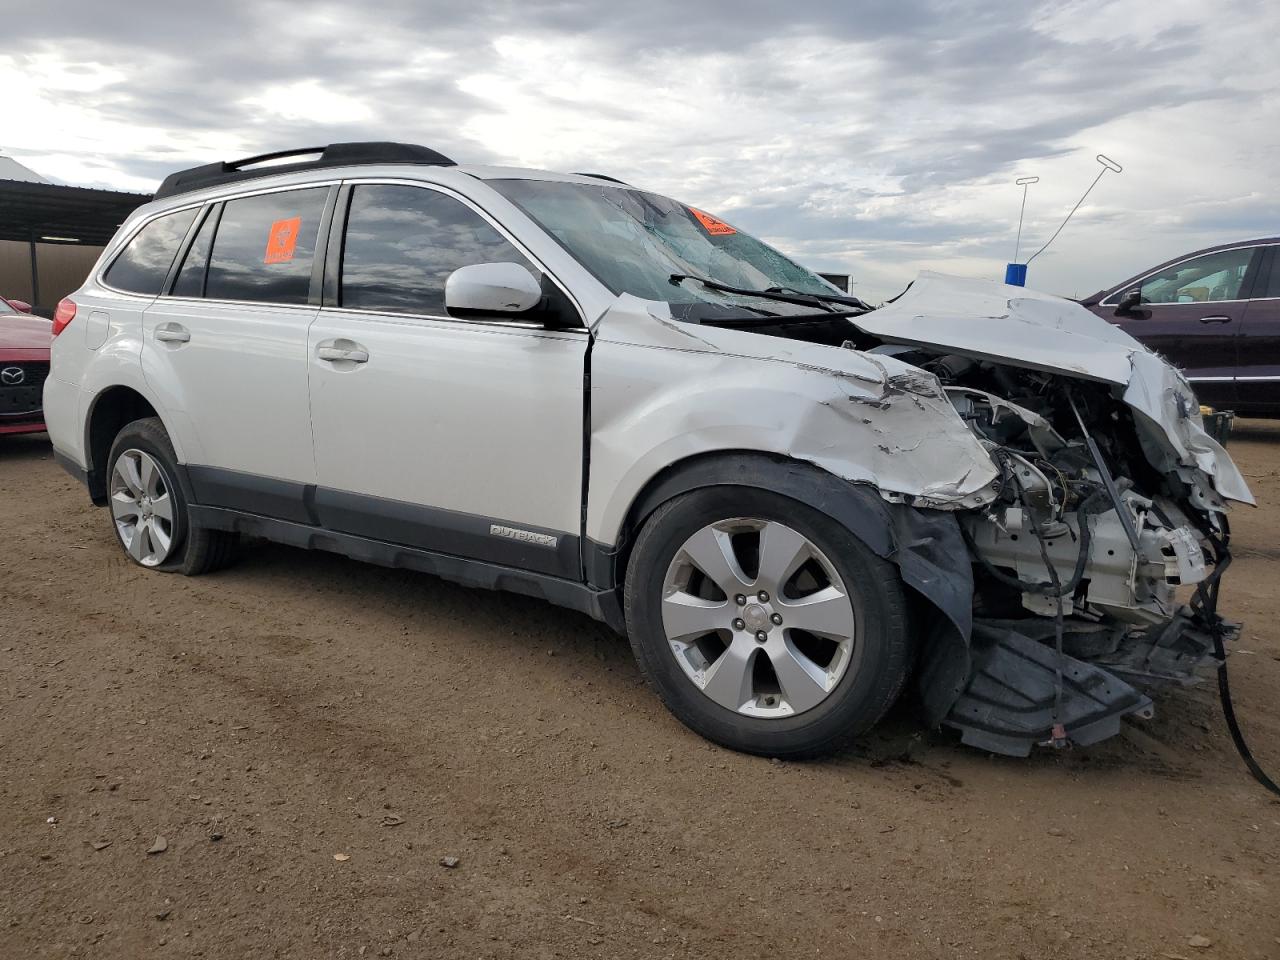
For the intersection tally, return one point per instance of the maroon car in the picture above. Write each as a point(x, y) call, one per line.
point(24, 363)
point(1216, 314)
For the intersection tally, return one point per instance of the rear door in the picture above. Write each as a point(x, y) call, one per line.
point(1258, 373)
point(226, 350)
point(1191, 313)
point(460, 436)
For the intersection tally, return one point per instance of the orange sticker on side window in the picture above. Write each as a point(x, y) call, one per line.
point(282, 239)
point(717, 228)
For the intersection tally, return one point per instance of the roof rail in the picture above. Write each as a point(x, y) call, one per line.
point(603, 176)
point(334, 155)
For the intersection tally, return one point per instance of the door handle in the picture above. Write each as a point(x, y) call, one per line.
point(1215, 319)
point(331, 351)
point(172, 333)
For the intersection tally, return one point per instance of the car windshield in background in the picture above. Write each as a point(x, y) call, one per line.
point(634, 241)
point(5, 308)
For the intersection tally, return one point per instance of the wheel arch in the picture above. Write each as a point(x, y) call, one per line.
point(108, 411)
point(925, 545)
point(745, 468)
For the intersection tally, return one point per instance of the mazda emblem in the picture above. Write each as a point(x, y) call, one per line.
point(12, 376)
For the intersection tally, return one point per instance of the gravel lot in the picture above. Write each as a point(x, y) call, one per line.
point(311, 736)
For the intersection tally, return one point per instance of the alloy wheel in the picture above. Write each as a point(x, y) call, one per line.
point(142, 507)
point(758, 618)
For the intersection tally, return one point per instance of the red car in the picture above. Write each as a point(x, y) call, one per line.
point(24, 363)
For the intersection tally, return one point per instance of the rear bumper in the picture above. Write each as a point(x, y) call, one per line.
point(62, 419)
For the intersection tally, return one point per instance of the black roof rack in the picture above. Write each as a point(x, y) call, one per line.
point(334, 155)
point(603, 176)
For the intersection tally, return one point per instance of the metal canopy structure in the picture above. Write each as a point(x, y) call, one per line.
point(43, 215)
point(52, 213)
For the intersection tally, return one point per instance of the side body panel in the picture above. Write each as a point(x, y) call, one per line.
point(467, 418)
point(1198, 338)
point(463, 436)
point(663, 392)
point(91, 356)
point(236, 389)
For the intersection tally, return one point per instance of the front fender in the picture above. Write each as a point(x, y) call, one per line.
point(663, 392)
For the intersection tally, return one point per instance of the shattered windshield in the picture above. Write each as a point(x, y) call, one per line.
point(633, 242)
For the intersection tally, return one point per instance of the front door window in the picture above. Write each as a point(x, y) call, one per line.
point(1212, 278)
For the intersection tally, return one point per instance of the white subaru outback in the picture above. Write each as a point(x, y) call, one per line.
point(561, 385)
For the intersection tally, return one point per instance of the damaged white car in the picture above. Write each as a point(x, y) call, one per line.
point(794, 505)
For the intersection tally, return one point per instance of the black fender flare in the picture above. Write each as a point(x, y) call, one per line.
point(925, 545)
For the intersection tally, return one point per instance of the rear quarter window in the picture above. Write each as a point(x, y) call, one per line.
point(145, 261)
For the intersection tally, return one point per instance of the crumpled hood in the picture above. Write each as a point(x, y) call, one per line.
point(994, 321)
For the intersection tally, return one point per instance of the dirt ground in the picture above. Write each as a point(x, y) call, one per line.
point(311, 736)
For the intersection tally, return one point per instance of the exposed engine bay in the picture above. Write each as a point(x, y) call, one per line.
point(1084, 548)
point(1095, 562)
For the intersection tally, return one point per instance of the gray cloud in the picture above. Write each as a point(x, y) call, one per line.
point(832, 128)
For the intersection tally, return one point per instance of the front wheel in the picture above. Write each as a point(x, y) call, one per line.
point(764, 625)
point(148, 509)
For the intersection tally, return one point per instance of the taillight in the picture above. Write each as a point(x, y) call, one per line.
point(65, 313)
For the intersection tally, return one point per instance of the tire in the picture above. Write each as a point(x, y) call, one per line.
point(191, 550)
point(876, 659)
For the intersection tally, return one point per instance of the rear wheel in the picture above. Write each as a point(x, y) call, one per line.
point(762, 624)
point(148, 509)
point(142, 507)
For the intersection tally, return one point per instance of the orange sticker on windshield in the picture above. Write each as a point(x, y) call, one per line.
point(282, 240)
point(717, 228)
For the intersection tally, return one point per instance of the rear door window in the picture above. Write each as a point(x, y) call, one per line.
point(144, 263)
point(264, 247)
point(403, 242)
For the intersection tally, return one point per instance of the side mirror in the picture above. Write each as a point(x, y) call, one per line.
point(20, 305)
point(1128, 303)
point(491, 288)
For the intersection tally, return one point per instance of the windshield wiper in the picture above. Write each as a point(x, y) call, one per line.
point(848, 300)
point(780, 320)
point(773, 293)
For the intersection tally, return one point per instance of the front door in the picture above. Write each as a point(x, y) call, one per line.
point(1191, 313)
point(460, 436)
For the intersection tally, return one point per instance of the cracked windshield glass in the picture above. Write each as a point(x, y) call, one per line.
point(633, 242)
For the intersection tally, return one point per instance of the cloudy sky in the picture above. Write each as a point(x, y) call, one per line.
point(877, 138)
